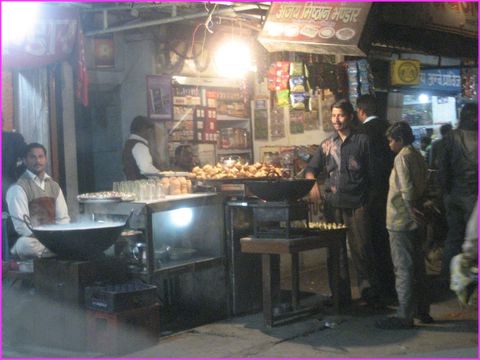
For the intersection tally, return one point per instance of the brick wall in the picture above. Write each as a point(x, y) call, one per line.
point(7, 100)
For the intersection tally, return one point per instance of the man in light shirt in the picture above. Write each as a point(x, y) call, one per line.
point(137, 159)
point(407, 188)
point(38, 196)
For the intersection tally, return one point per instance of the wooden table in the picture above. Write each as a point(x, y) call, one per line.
point(270, 249)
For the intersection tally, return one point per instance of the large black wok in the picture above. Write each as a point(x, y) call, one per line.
point(78, 241)
point(279, 189)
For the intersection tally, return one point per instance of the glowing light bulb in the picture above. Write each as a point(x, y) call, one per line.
point(233, 59)
point(423, 98)
point(18, 20)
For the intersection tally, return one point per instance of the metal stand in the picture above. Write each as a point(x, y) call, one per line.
point(271, 249)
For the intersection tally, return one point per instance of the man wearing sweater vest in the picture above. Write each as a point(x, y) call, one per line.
point(137, 158)
point(37, 195)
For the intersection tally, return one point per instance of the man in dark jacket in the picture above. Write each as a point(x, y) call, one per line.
point(345, 160)
point(13, 146)
point(137, 158)
point(382, 158)
point(458, 174)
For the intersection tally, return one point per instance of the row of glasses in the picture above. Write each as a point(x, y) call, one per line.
point(143, 190)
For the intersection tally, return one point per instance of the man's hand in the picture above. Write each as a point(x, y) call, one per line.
point(419, 216)
point(424, 212)
point(314, 194)
point(431, 207)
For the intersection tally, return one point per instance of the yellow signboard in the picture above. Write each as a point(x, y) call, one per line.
point(405, 72)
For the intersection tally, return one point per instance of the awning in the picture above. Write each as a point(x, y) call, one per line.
point(435, 28)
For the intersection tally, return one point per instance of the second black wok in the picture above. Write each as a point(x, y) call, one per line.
point(280, 189)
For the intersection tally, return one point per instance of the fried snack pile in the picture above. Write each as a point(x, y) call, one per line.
point(326, 226)
point(173, 185)
point(236, 171)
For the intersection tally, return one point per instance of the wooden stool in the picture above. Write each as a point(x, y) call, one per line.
point(272, 248)
point(12, 277)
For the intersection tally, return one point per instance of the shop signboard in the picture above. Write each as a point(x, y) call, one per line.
point(441, 79)
point(316, 27)
point(408, 73)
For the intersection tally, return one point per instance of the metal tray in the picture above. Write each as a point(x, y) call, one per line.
point(100, 201)
point(233, 180)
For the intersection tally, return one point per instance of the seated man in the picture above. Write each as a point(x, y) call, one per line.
point(37, 195)
point(184, 159)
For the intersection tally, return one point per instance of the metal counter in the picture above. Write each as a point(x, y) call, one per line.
point(196, 277)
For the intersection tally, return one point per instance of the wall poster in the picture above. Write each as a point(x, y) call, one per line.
point(104, 52)
point(260, 124)
point(326, 101)
point(277, 123)
point(312, 121)
point(159, 97)
point(297, 121)
point(260, 118)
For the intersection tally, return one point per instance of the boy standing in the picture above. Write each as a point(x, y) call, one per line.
point(407, 185)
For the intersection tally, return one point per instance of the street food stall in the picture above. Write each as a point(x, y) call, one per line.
point(193, 247)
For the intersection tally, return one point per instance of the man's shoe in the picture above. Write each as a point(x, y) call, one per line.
point(425, 319)
point(394, 323)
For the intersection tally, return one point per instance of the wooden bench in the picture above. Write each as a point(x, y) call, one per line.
point(270, 249)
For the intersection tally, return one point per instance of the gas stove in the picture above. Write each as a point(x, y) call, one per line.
point(273, 219)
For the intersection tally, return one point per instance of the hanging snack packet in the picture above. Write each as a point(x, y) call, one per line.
point(271, 77)
point(282, 98)
point(296, 69)
point(297, 84)
point(282, 67)
point(297, 100)
point(281, 82)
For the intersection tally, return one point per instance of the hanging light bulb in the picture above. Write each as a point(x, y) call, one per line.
point(18, 20)
point(233, 58)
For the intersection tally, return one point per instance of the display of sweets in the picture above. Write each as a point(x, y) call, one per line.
point(326, 226)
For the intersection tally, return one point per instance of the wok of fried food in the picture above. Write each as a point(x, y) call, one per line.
point(237, 170)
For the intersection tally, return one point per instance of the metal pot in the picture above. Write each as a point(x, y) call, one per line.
point(80, 241)
point(127, 242)
point(140, 253)
point(280, 189)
